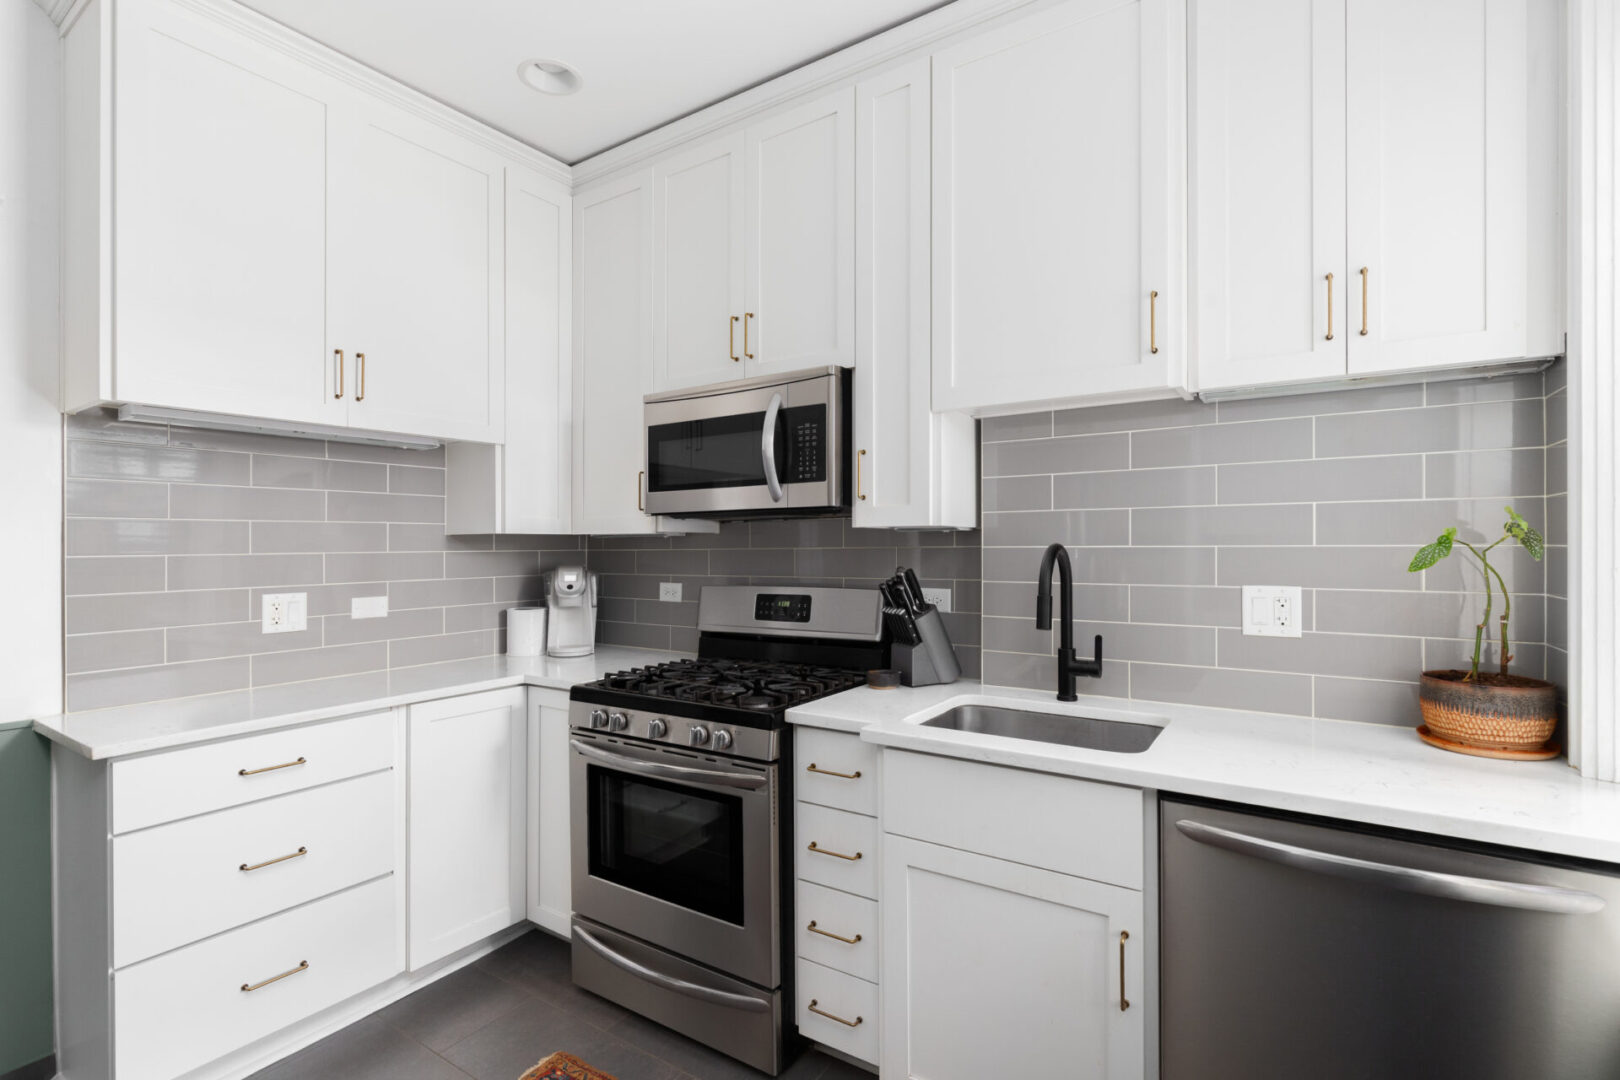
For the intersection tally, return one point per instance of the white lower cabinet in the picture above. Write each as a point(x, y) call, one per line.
point(467, 780)
point(549, 867)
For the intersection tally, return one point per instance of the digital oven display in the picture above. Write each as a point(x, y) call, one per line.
point(769, 607)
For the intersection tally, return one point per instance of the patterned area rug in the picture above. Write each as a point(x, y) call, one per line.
point(564, 1067)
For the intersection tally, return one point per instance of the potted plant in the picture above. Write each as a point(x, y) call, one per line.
point(1492, 711)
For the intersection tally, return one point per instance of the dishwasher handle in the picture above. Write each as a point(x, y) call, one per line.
point(1508, 894)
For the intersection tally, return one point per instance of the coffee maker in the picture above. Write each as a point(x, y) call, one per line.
point(571, 598)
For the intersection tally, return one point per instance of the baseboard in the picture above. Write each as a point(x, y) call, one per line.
point(43, 1069)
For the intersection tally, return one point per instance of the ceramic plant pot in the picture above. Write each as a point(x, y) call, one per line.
point(1494, 712)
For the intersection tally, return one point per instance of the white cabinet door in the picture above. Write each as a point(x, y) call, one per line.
point(801, 237)
point(698, 265)
point(550, 867)
point(993, 968)
point(1268, 176)
point(415, 271)
point(914, 468)
point(221, 222)
point(1059, 141)
point(1438, 100)
point(467, 820)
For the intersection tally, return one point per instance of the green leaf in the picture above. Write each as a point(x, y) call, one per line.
point(1526, 534)
point(1430, 554)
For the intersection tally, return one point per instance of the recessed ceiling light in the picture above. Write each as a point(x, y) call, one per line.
point(549, 76)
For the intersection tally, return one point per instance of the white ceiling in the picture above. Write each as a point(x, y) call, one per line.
point(644, 62)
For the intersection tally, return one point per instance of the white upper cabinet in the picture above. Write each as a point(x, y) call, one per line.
point(698, 252)
point(801, 237)
point(1057, 160)
point(914, 468)
point(1269, 196)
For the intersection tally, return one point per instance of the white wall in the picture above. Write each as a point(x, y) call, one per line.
point(30, 427)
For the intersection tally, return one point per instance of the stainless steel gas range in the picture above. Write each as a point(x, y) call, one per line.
point(681, 783)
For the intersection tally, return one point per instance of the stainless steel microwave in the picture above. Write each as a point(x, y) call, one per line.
point(775, 445)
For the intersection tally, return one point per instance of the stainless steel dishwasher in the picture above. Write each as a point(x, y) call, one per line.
point(1297, 950)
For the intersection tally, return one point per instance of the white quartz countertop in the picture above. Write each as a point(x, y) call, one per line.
point(1356, 772)
point(164, 725)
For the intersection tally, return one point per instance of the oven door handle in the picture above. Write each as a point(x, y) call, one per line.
point(671, 772)
point(767, 448)
point(669, 982)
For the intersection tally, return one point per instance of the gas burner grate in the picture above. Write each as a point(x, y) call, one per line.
point(758, 685)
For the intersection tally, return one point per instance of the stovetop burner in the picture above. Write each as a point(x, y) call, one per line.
point(755, 685)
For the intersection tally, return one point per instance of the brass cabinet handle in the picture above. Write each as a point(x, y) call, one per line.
point(1124, 936)
point(1153, 321)
point(337, 356)
point(732, 339)
point(1363, 301)
point(248, 988)
point(858, 490)
point(360, 377)
point(270, 768)
point(1330, 307)
point(814, 929)
point(834, 854)
point(813, 767)
point(746, 316)
point(857, 1022)
point(271, 862)
point(640, 479)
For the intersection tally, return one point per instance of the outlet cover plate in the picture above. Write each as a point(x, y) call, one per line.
point(368, 607)
point(669, 591)
point(940, 598)
point(284, 613)
point(1272, 610)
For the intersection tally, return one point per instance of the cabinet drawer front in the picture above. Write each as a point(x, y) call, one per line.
point(845, 852)
point(846, 998)
point(163, 787)
point(836, 769)
point(845, 930)
point(184, 881)
point(187, 1008)
point(1082, 828)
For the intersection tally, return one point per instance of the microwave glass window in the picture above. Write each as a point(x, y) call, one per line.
point(725, 451)
point(676, 843)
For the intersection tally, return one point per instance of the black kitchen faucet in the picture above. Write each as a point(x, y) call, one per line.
point(1068, 665)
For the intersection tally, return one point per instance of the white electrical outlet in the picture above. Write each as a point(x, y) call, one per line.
point(1272, 610)
point(284, 613)
point(940, 598)
point(368, 607)
point(670, 591)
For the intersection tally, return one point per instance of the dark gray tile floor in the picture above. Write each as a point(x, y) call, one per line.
point(495, 1018)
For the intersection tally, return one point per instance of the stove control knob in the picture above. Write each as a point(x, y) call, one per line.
point(618, 720)
point(699, 734)
point(599, 719)
point(657, 729)
point(722, 739)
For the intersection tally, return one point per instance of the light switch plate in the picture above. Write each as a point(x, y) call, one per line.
point(368, 607)
point(669, 591)
point(1272, 610)
point(940, 598)
point(284, 613)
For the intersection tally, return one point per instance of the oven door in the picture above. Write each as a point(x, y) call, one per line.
point(756, 448)
point(678, 848)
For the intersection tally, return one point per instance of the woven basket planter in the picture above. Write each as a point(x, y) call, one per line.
point(1518, 714)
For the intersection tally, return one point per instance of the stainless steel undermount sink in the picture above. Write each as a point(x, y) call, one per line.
point(1086, 732)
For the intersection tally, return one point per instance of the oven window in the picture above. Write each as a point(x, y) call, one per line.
point(667, 840)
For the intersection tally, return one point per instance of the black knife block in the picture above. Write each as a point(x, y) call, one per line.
point(932, 661)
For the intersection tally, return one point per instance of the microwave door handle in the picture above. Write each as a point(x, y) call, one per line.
point(767, 448)
point(670, 772)
point(1508, 894)
point(669, 982)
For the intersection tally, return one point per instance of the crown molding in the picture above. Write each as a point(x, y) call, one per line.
point(836, 69)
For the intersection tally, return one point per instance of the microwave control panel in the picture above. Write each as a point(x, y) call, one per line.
point(807, 444)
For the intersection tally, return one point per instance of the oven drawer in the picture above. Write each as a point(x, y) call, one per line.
point(188, 1007)
point(179, 783)
point(837, 930)
point(838, 1010)
point(844, 852)
point(837, 769)
point(183, 881)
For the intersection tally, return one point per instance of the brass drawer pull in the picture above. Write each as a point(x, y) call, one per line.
point(858, 490)
point(270, 768)
point(813, 767)
point(857, 1022)
point(1330, 307)
point(641, 486)
point(814, 929)
point(247, 988)
point(337, 355)
point(747, 315)
point(1124, 936)
point(834, 854)
point(1363, 301)
point(732, 338)
point(360, 381)
point(272, 862)
point(1153, 321)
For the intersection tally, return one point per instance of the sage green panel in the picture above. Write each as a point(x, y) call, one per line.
point(25, 899)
